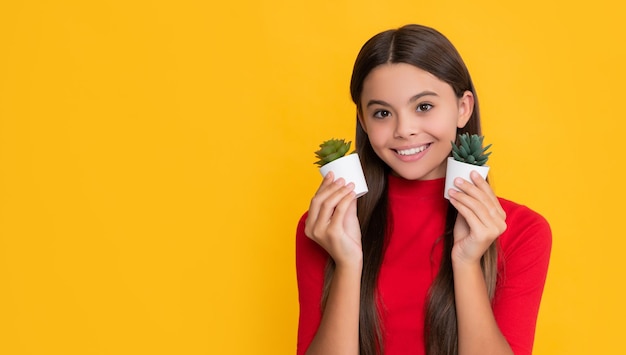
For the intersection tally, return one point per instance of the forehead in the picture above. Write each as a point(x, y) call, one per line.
point(401, 81)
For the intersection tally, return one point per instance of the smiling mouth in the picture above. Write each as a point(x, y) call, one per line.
point(412, 151)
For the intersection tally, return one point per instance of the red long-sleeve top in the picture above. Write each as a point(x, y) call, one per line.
point(411, 263)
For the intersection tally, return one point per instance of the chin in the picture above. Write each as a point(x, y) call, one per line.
point(413, 174)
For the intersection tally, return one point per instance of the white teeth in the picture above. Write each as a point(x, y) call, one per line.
point(412, 150)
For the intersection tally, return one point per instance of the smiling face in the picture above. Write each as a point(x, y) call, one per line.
point(410, 117)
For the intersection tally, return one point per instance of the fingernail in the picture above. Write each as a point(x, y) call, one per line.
point(458, 181)
point(340, 181)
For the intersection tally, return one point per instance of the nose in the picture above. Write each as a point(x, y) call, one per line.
point(405, 126)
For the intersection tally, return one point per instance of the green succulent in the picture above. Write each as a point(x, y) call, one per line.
point(330, 150)
point(470, 149)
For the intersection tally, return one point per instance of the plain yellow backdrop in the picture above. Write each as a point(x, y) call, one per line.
point(155, 157)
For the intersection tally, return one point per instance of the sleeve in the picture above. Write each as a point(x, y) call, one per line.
point(524, 257)
point(311, 261)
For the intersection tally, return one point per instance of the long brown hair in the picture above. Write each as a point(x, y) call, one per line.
point(428, 50)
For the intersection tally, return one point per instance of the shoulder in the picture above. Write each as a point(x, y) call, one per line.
point(308, 252)
point(311, 261)
point(521, 214)
point(523, 257)
point(528, 232)
point(301, 224)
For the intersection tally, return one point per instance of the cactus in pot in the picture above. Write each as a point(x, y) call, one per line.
point(469, 155)
point(331, 156)
point(331, 150)
point(470, 150)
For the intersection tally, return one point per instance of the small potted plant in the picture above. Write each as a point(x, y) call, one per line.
point(467, 156)
point(332, 157)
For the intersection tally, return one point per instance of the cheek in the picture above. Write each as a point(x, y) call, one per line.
point(377, 135)
point(445, 128)
point(447, 133)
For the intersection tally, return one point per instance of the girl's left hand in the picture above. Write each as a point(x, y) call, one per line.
point(481, 219)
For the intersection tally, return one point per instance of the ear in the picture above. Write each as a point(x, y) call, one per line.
point(466, 108)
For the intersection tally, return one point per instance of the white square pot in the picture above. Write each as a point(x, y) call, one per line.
point(459, 169)
point(349, 168)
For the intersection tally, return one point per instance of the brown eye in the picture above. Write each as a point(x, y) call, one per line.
point(382, 114)
point(424, 107)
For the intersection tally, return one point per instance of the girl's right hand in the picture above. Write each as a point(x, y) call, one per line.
point(332, 221)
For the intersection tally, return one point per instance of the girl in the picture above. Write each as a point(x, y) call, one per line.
point(403, 270)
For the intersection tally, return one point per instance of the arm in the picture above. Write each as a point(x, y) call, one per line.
point(526, 246)
point(478, 331)
point(338, 332)
point(332, 224)
point(525, 254)
point(311, 260)
point(480, 221)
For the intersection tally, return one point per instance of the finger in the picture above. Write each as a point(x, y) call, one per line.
point(327, 180)
point(470, 192)
point(469, 187)
point(481, 191)
point(484, 186)
point(325, 186)
point(343, 208)
point(479, 210)
point(483, 220)
point(324, 190)
point(467, 206)
point(328, 206)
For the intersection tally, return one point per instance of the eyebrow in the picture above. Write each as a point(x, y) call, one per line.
point(412, 99)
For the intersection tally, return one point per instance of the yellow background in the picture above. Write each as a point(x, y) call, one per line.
point(155, 157)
